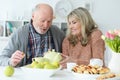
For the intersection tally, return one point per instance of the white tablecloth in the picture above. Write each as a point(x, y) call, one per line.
point(59, 75)
point(20, 75)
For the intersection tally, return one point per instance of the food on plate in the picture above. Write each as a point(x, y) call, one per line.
point(43, 64)
point(103, 70)
point(88, 69)
point(23, 54)
point(56, 64)
point(50, 60)
point(9, 71)
point(106, 76)
point(53, 56)
point(37, 65)
point(34, 63)
point(50, 66)
point(41, 60)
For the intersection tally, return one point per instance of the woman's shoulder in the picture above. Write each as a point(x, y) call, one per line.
point(65, 40)
point(96, 32)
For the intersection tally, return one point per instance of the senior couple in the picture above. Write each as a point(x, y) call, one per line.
point(82, 42)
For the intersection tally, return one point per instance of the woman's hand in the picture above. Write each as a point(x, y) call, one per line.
point(66, 59)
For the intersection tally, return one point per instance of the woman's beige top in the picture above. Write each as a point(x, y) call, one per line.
point(82, 54)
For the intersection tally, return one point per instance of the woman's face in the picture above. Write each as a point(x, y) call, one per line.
point(74, 26)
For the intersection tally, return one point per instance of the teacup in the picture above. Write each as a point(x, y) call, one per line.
point(70, 65)
point(96, 62)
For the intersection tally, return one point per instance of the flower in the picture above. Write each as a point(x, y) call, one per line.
point(112, 40)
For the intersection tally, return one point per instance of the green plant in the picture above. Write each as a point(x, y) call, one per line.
point(112, 40)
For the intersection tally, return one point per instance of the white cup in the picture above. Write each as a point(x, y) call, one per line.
point(70, 65)
point(95, 61)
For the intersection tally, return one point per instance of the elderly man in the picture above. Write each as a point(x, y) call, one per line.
point(33, 39)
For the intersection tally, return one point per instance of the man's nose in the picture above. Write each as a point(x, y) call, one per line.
point(46, 24)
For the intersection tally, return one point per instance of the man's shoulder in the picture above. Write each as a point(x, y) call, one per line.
point(56, 31)
point(23, 28)
point(55, 27)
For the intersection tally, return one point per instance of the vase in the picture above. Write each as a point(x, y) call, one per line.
point(114, 62)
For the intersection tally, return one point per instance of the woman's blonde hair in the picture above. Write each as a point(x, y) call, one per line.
point(87, 24)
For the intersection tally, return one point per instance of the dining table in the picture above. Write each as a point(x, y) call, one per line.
point(19, 74)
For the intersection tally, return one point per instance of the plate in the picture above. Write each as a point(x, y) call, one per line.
point(85, 76)
point(39, 72)
point(115, 78)
point(91, 76)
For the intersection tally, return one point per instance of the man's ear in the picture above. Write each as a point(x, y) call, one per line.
point(32, 15)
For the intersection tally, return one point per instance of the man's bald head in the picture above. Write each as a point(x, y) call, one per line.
point(42, 6)
point(42, 17)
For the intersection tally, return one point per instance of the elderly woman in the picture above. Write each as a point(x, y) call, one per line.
point(83, 41)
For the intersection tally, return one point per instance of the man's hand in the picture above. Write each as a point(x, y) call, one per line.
point(16, 57)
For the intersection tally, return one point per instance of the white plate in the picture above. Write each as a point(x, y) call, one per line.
point(85, 76)
point(115, 78)
point(39, 72)
point(91, 76)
